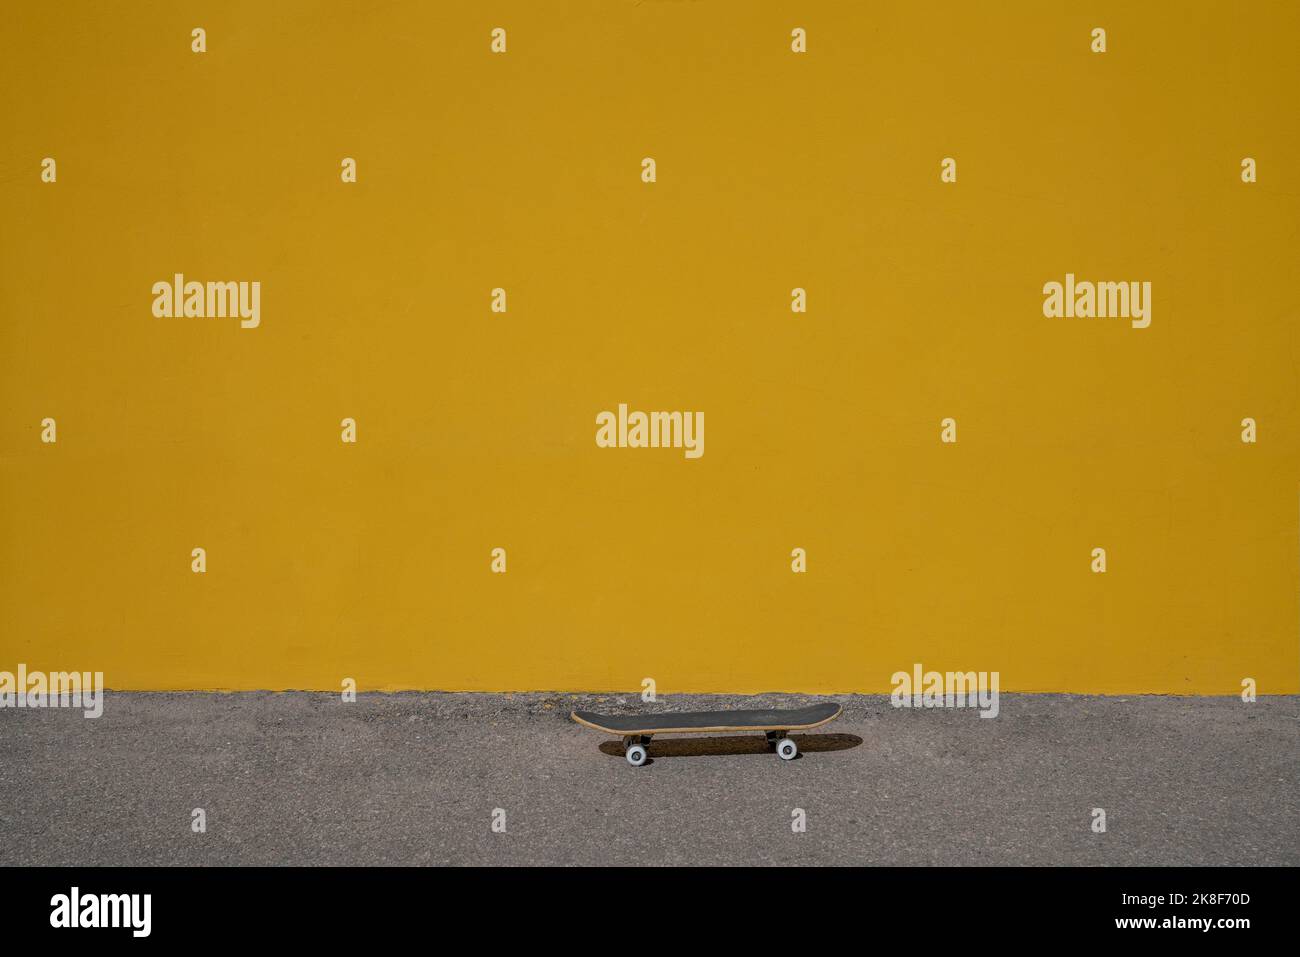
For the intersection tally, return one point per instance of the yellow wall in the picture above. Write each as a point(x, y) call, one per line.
point(477, 430)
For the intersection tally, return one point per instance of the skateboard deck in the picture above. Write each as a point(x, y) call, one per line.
point(637, 729)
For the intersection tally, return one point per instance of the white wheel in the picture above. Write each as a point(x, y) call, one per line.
point(786, 749)
point(636, 755)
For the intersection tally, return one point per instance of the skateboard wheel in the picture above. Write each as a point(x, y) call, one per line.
point(636, 755)
point(786, 749)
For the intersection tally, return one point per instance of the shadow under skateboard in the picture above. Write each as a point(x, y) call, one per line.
point(734, 745)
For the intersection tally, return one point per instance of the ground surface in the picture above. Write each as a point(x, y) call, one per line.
point(415, 778)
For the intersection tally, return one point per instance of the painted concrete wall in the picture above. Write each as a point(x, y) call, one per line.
point(477, 429)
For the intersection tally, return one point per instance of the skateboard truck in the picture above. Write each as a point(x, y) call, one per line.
point(635, 748)
point(786, 749)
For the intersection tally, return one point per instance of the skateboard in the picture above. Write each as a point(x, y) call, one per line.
point(775, 723)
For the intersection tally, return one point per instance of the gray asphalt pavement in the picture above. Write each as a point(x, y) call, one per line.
point(298, 778)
